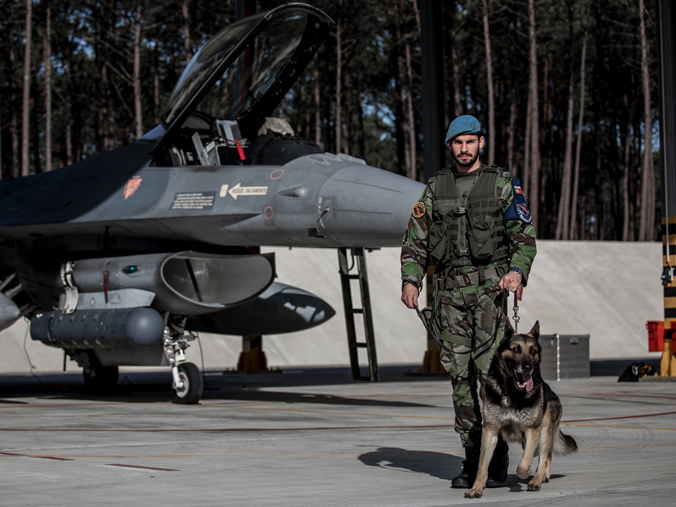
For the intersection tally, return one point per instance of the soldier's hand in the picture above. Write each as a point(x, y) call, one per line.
point(510, 281)
point(409, 295)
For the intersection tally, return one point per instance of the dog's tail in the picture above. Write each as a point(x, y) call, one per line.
point(564, 444)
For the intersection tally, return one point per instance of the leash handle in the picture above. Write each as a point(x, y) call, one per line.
point(517, 297)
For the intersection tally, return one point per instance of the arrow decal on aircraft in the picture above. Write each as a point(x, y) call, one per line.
point(239, 191)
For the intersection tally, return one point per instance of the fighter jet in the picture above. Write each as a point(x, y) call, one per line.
point(117, 259)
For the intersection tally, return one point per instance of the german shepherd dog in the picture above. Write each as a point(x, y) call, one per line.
point(518, 404)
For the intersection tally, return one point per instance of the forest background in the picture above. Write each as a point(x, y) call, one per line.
point(567, 91)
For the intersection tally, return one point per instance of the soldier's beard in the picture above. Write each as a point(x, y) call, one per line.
point(468, 163)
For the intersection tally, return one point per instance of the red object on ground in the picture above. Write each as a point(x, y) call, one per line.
point(655, 335)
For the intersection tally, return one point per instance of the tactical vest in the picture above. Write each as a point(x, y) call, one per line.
point(468, 233)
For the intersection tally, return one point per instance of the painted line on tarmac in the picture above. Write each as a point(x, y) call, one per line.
point(329, 412)
point(322, 412)
point(617, 427)
point(458, 451)
point(216, 430)
point(623, 395)
point(318, 428)
point(540, 495)
point(14, 455)
point(65, 405)
point(619, 417)
point(142, 468)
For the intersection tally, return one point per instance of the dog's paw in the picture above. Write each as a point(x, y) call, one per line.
point(473, 493)
point(523, 472)
point(533, 486)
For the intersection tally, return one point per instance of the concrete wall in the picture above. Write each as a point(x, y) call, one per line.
point(605, 289)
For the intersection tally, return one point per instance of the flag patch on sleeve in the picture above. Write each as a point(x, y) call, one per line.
point(518, 210)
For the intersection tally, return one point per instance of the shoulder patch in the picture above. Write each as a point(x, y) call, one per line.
point(518, 210)
point(419, 209)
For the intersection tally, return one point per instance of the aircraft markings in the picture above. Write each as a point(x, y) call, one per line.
point(239, 191)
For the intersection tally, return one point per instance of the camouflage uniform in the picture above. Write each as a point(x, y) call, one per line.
point(469, 316)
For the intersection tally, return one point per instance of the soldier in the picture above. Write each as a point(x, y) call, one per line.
point(473, 222)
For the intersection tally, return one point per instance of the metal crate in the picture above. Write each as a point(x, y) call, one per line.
point(564, 356)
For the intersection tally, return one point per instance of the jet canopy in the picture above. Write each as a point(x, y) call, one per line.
point(244, 71)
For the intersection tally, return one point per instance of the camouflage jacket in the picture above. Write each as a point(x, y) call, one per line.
point(518, 228)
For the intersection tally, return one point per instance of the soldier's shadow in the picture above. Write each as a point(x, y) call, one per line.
point(435, 464)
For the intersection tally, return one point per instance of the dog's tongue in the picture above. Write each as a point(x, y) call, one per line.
point(529, 385)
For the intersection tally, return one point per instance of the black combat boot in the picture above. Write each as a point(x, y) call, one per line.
point(497, 470)
point(469, 468)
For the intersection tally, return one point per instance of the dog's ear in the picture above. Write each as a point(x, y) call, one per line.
point(509, 330)
point(535, 332)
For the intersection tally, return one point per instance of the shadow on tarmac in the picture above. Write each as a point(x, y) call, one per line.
point(435, 464)
point(155, 386)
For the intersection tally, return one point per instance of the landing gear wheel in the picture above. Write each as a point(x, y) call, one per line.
point(191, 391)
point(101, 378)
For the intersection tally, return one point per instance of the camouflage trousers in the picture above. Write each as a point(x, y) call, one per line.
point(467, 318)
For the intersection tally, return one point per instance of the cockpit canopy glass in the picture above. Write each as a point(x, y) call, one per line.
point(255, 69)
point(203, 64)
point(251, 74)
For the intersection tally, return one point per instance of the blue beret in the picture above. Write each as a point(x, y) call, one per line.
point(465, 124)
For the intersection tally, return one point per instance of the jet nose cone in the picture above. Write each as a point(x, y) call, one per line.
point(361, 206)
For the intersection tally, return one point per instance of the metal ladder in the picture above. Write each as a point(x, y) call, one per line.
point(365, 310)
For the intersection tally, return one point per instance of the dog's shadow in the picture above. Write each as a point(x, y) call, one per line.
point(517, 485)
point(435, 464)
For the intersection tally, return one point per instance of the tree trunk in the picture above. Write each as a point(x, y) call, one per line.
point(598, 185)
point(402, 137)
point(360, 116)
point(580, 120)
point(156, 83)
point(47, 43)
point(647, 224)
point(339, 76)
point(25, 126)
point(547, 206)
point(14, 121)
point(138, 110)
point(636, 182)
point(318, 116)
point(489, 79)
point(628, 208)
point(534, 176)
point(512, 167)
point(35, 133)
point(562, 224)
point(68, 101)
point(347, 139)
point(416, 12)
point(525, 181)
point(455, 69)
point(413, 170)
point(187, 39)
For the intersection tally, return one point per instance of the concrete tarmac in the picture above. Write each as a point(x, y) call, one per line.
point(311, 437)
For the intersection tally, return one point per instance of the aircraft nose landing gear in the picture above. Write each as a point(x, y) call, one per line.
point(186, 377)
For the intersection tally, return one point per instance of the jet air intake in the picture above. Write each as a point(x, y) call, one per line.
point(184, 283)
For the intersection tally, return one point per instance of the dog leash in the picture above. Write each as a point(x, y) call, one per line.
point(441, 345)
point(517, 297)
